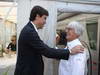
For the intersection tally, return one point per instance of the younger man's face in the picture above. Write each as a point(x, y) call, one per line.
point(41, 21)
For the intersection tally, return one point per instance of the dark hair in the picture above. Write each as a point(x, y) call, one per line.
point(63, 40)
point(13, 37)
point(37, 10)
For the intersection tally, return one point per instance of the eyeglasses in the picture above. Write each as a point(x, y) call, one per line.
point(68, 29)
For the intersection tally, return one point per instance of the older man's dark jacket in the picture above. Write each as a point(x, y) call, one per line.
point(30, 51)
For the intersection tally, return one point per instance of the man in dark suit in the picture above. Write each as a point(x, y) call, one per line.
point(31, 47)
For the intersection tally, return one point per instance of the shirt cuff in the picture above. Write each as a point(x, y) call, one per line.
point(70, 51)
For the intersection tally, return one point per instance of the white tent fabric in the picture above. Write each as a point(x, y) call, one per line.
point(76, 7)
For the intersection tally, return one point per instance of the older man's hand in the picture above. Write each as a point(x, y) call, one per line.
point(77, 49)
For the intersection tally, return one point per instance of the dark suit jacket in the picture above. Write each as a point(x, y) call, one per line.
point(30, 51)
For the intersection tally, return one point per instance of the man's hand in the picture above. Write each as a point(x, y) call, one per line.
point(77, 49)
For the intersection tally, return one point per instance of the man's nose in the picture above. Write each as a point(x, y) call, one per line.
point(44, 22)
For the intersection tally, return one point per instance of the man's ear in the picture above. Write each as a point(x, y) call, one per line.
point(37, 16)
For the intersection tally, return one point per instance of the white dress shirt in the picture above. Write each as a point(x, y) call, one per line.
point(76, 64)
point(34, 26)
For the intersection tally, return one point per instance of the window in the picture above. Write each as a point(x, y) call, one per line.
point(91, 27)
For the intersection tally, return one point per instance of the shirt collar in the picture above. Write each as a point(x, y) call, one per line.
point(73, 43)
point(34, 26)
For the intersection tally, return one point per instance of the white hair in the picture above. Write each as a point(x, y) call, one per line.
point(79, 28)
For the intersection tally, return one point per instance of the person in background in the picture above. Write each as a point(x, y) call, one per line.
point(61, 41)
point(11, 48)
point(60, 44)
point(76, 64)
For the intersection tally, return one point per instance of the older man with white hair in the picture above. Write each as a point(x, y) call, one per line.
point(76, 64)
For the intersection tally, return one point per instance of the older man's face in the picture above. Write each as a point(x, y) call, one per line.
point(71, 35)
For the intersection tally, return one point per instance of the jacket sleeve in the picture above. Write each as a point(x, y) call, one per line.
point(41, 48)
